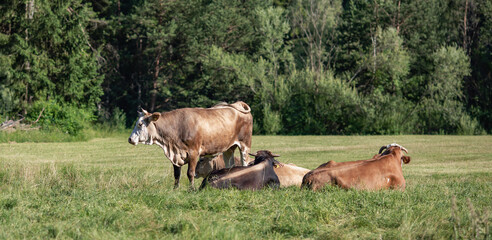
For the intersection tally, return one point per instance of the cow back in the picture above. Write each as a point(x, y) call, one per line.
point(250, 177)
point(290, 174)
point(207, 131)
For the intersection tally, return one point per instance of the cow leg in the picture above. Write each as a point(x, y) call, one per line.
point(396, 183)
point(193, 160)
point(228, 157)
point(177, 174)
point(244, 150)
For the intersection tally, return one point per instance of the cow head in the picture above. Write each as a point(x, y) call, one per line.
point(392, 148)
point(144, 129)
point(265, 155)
point(206, 165)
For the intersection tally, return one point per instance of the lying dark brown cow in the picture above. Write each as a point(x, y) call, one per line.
point(287, 173)
point(383, 171)
point(254, 177)
point(208, 164)
point(188, 133)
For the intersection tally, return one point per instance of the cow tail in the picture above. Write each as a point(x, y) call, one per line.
point(241, 107)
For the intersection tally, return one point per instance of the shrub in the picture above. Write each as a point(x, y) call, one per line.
point(469, 126)
point(388, 114)
point(442, 109)
point(272, 123)
point(67, 118)
point(323, 106)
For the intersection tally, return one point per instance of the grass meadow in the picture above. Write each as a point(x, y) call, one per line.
point(106, 188)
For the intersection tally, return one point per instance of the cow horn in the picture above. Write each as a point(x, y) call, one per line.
point(144, 112)
point(382, 148)
point(398, 145)
point(275, 155)
point(404, 149)
point(252, 154)
point(140, 112)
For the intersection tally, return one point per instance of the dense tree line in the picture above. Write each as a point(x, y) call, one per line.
point(304, 66)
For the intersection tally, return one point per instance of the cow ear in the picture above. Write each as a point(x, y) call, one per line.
point(155, 116)
point(405, 159)
point(277, 164)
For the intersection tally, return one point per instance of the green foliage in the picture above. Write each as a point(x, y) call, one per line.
point(67, 118)
point(442, 108)
point(384, 58)
point(272, 122)
point(314, 24)
point(46, 54)
point(335, 108)
point(8, 100)
point(479, 85)
point(469, 126)
point(353, 35)
point(264, 72)
point(389, 114)
point(386, 64)
point(118, 119)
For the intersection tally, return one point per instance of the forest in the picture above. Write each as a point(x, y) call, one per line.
point(313, 67)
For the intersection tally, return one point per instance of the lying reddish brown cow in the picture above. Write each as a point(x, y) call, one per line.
point(338, 164)
point(253, 177)
point(383, 171)
point(188, 133)
point(288, 174)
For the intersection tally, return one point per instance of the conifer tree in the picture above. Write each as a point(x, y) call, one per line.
point(48, 57)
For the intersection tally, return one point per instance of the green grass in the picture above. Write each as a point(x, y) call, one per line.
point(55, 135)
point(107, 189)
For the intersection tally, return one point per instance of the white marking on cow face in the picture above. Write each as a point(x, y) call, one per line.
point(141, 131)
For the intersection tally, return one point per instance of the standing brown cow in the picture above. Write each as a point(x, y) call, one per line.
point(186, 134)
point(384, 170)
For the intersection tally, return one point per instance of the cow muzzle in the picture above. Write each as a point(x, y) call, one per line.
point(132, 142)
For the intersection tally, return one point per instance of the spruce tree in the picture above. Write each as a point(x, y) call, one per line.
point(48, 57)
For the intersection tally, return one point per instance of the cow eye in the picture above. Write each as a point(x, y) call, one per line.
point(140, 124)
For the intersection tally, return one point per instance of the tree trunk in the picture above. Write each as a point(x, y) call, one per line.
point(29, 16)
point(398, 19)
point(156, 77)
point(464, 26)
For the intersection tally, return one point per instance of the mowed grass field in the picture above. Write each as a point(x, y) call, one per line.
point(108, 189)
